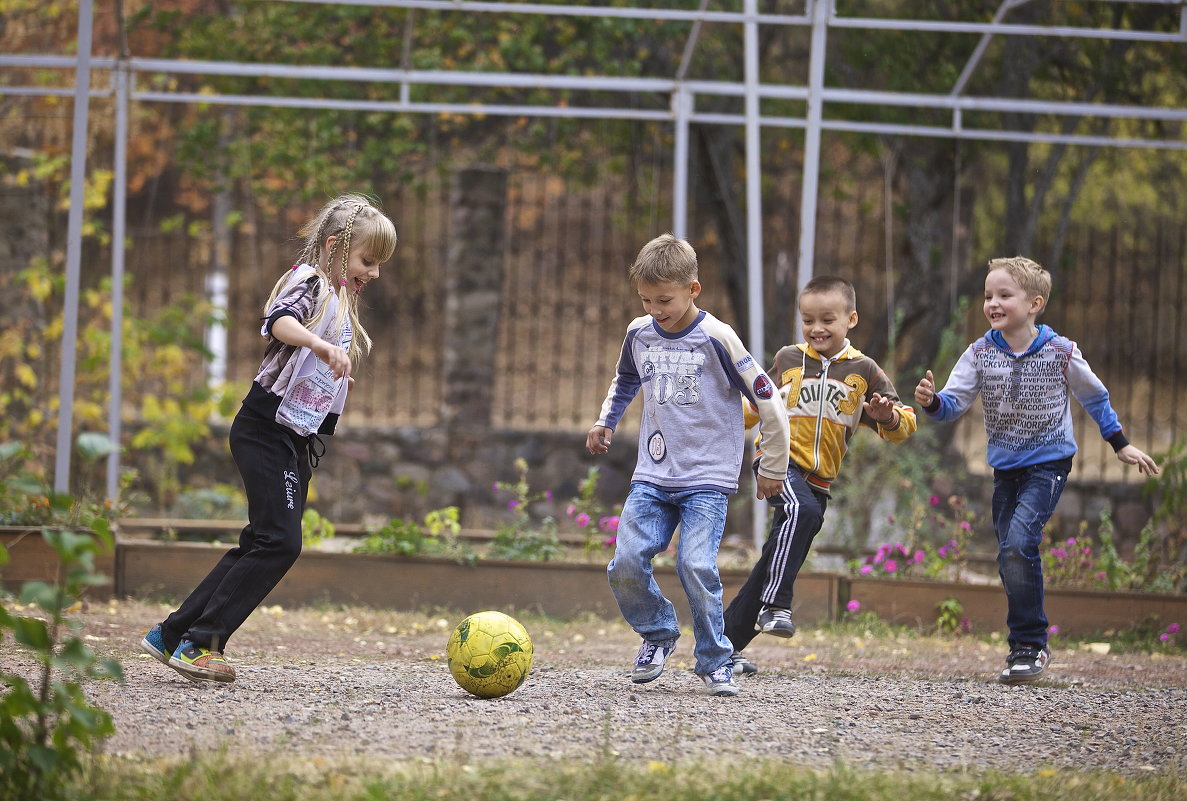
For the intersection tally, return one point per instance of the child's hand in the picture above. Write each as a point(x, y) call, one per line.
point(768, 487)
point(880, 409)
point(598, 440)
point(925, 393)
point(334, 356)
point(1131, 455)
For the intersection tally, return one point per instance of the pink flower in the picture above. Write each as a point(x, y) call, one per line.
point(919, 557)
point(853, 606)
point(1053, 629)
point(1070, 541)
point(610, 542)
point(494, 487)
point(608, 523)
point(966, 525)
point(548, 495)
point(1164, 637)
point(571, 510)
point(890, 519)
point(943, 551)
point(511, 504)
point(582, 520)
point(934, 500)
point(890, 565)
point(1173, 628)
point(866, 570)
point(1101, 575)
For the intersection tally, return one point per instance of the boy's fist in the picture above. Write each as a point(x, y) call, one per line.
point(925, 393)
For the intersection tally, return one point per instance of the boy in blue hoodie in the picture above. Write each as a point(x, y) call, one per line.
point(1025, 374)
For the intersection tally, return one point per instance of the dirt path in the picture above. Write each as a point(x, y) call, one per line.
point(367, 683)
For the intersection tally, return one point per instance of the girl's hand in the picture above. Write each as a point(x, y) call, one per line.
point(1131, 455)
point(334, 356)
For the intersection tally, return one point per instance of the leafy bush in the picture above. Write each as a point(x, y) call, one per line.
point(438, 536)
point(46, 723)
point(597, 525)
point(1081, 562)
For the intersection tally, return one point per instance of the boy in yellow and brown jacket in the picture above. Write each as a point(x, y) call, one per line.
point(829, 389)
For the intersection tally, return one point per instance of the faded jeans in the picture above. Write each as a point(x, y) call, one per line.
point(649, 519)
point(1023, 501)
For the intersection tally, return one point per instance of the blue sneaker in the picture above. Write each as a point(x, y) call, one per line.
point(153, 644)
point(720, 681)
point(649, 662)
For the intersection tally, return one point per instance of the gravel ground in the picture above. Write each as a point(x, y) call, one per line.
point(359, 682)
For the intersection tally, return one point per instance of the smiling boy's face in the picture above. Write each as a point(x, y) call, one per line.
point(826, 319)
point(670, 304)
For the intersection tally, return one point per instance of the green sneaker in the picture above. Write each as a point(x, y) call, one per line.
point(196, 662)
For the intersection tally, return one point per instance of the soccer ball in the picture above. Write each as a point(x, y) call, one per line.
point(490, 654)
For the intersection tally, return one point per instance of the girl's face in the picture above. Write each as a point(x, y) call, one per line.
point(361, 267)
point(825, 319)
point(1007, 307)
point(670, 304)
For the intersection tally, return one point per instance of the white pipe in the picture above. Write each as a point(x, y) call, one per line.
point(118, 226)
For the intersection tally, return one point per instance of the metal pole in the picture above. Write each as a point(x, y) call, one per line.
point(118, 225)
point(681, 106)
point(754, 220)
point(78, 163)
point(821, 10)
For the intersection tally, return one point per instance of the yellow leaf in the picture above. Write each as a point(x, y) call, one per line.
point(810, 658)
point(26, 376)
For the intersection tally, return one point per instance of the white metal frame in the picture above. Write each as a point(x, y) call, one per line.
point(819, 17)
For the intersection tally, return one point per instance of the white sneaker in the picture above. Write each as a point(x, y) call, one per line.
point(720, 681)
point(649, 662)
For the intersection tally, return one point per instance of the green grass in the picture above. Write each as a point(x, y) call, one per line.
point(229, 779)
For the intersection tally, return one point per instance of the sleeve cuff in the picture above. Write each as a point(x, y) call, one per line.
point(935, 404)
point(1118, 441)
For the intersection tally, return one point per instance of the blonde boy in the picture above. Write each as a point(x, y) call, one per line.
point(693, 371)
point(1025, 374)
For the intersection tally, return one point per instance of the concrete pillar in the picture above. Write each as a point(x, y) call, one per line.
point(475, 264)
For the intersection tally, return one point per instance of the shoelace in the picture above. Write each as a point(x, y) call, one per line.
point(722, 674)
point(646, 654)
point(1024, 655)
point(780, 614)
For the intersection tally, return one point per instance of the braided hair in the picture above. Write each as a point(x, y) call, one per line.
point(355, 223)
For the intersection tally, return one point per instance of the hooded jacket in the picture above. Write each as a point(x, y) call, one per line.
point(1026, 398)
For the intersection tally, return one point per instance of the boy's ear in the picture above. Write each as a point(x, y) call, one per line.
point(1037, 303)
point(852, 318)
point(694, 288)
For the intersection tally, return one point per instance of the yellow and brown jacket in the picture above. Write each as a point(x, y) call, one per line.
point(824, 400)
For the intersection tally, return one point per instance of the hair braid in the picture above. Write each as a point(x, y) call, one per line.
point(346, 240)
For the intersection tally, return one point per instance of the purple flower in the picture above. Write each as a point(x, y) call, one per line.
point(934, 500)
point(853, 606)
point(511, 504)
point(966, 525)
point(919, 556)
point(1173, 628)
point(866, 569)
point(890, 565)
point(548, 495)
point(1053, 629)
point(1164, 637)
point(943, 551)
point(494, 487)
point(1101, 575)
point(582, 520)
point(1070, 541)
point(1059, 553)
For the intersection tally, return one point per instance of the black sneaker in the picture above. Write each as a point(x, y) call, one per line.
point(776, 621)
point(1025, 663)
point(742, 665)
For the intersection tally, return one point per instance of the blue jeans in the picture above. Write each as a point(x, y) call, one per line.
point(645, 528)
point(1023, 501)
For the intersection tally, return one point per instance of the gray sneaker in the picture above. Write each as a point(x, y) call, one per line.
point(742, 665)
point(776, 621)
point(649, 662)
point(720, 681)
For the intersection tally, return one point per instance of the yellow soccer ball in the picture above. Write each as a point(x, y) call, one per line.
point(490, 654)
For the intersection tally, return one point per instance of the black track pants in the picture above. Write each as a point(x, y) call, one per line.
point(274, 465)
